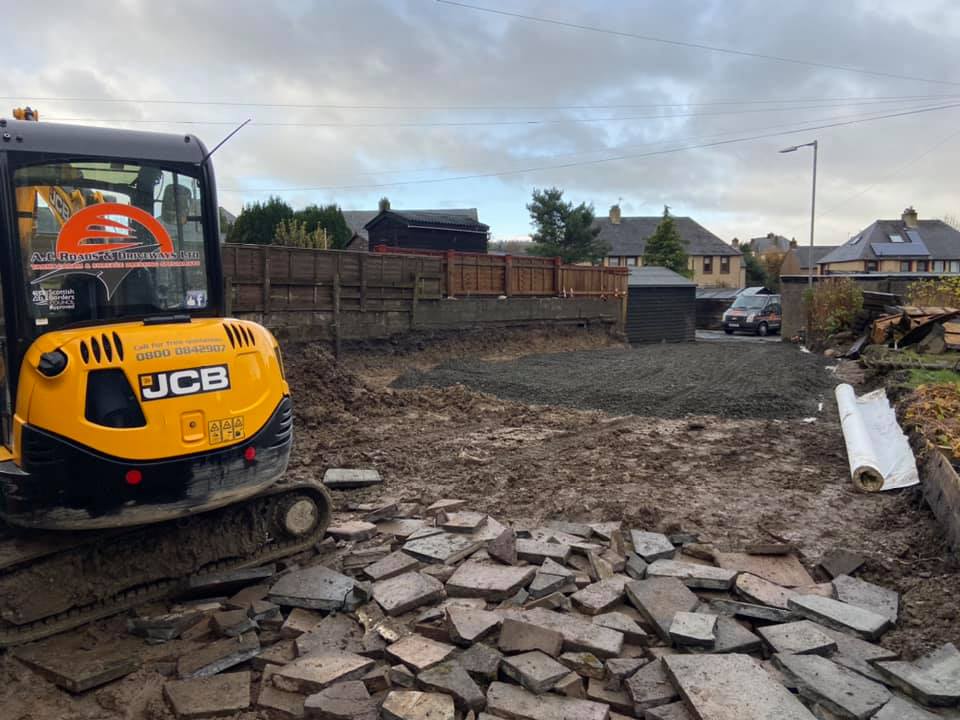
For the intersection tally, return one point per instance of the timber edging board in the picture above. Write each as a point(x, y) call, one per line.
point(941, 489)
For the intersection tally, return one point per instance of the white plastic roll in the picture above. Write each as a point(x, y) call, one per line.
point(879, 454)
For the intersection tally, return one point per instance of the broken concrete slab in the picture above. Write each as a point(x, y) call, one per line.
point(785, 570)
point(619, 669)
point(481, 661)
point(571, 528)
point(578, 635)
point(313, 673)
point(673, 711)
point(462, 521)
point(298, 622)
point(933, 679)
point(210, 696)
point(265, 614)
point(571, 685)
point(770, 549)
point(419, 653)
point(402, 676)
point(752, 611)
point(900, 709)
point(584, 663)
point(536, 552)
point(415, 705)
point(605, 529)
point(600, 596)
point(396, 563)
point(515, 703)
point(450, 678)
point(227, 582)
point(443, 547)
point(517, 636)
point(841, 616)
point(218, 656)
point(352, 530)
point(652, 546)
point(635, 566)
point(762, 592)
point(504, 547)
point(694, 629)
point(649, 687)
point(488, 580)
point(659, 599)
point(841, 691)
point(841, 562)
point(468, 625)
point(799, 638)
point(632, 632)
point(868, 596)
point(856, 654)
point(166, 626)
point(693, 575)
point(536, 671)
point(333, 634)
point(349, 479)
point(232, 623)
point(70, 663)
point(314, 588)
point(280, 653)
point(544, 584)
point(348, 700)
point(403, 593)
point(278, 703)
point(732, 687)
point(598, 691)
point(445, 505)
point(732, 637)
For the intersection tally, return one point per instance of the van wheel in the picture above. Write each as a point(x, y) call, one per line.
point(728, 331)
point(762, 329)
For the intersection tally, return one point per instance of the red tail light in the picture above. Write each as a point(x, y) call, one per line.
point(250, 454)
point(133, 477)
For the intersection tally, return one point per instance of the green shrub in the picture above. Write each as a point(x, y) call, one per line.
point(831, 306)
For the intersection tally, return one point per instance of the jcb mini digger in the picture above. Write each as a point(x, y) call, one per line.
point(143, 437)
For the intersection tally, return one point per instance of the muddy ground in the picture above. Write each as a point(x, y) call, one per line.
point(732, 480)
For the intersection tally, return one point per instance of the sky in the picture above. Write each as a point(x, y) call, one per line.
point(436, 105)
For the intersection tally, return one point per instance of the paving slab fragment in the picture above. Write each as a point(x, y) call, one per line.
point(312, 673)
point(403, 593)
point(218, 656)
point(396, 563)
point(232, 623)
point(868, 596)
point(583, 530)
point(571, 685)
point(770, 549)
point(419, 653)
point(584, 663)
point(659, 599)
point(280, 653)
point(732, 637)
point(377, 679)
point(166, 626)
point(619, 669)
point(462, 521)
point(352, 530)
point(693, 575)
point(933, 679)
point(856, 654)
point(841, 562)
point(635, 566)
point(69, 663)
point(404, 528)
point(752, 611)
point(731, 687)
point(415, 705)
point(649, 687)
point(900, 709)
point(444, 505)
point(536, 552)
point(544, 584)
point(333, 634)
point(841, 616)
point(673, 711)
point(280, 704)
point(443, 547)
point(468, 625)
point(598, 691)
point(481, 661)
point(841, 691)
point(606, 529)
point(515, 703)
point(517, 636)
point(488, 580)
point(504, 547)
point(600, 596)
point(343, 701)
point(799, 638)
point(579, 635)
point(450, 678)
point(209, 697)
point(227, 582)
point(632, 632)
point(536, 671)
point(763, 592)
point(350, 478)
point(299, 621)
point(785, 570)
point(314, 588)
point(695, 629)
point(402, 676)
point(652, 546)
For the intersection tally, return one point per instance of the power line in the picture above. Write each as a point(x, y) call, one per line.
point(323, 106)
point(455, 123)
point(696, 46)
point(652, 153)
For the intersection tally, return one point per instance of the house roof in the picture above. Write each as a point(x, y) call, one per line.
point(932, 239)
point(358, 219)
point(629, 236)
point(819, 251)
point(654, 276)
point(770, 242)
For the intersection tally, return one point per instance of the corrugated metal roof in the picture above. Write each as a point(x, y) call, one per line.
point(653, 276)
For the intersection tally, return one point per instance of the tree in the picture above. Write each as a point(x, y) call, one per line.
point(564, 230)
point(772, 262)
point(665, 248)
point(952, 220)
point(328, 218)
point(294, 233)
point(756, 275)
point(258, 221)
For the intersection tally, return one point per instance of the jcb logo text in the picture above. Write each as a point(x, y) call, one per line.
point(176, 383)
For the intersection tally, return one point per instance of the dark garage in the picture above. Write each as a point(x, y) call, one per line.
point(661, 306)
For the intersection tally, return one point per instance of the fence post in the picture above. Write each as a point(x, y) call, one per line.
point(266, 280)
point(336, 314)
point(413, 303)
point(557, 276)
point(363, 283)
point(449, 259)
point(508, 275)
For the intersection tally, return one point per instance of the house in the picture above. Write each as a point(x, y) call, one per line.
point(797, 259)
point(769, 244)
point(436, 230)
point(713, 262)
point(907, 245)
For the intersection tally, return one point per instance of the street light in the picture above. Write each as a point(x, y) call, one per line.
point(813, 203)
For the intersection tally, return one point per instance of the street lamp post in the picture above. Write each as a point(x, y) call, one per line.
point(813, 203)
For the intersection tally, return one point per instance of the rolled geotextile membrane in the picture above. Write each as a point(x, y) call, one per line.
point(879, 453)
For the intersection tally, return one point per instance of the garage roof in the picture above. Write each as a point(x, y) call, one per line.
point(653, 276)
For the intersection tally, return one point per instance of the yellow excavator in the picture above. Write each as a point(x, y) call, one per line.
point(144, 437)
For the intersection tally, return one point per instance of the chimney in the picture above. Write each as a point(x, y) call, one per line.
point(615, 214)
point(909, 217)
point(735, 242)
point(384, 204)
point(770, 236)
point(793, 243)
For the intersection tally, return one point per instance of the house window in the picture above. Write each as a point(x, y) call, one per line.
point(707, 265)
point(871, 265)
point(955, 266)
point(895, 238)
point(923, 266)
point(939, 266)
point(725, 265)
point(905, 266)
point(632, 261)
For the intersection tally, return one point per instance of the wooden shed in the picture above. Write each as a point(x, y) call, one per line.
point(661, 306)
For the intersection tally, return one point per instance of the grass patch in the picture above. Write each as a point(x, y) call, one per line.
point(920, 377)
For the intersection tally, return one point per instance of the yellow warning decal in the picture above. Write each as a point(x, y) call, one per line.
point(226, 430)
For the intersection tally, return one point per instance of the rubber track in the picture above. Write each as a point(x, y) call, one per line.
point(12, 635)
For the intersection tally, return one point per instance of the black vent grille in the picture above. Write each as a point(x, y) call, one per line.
point(239, 335)
point(101, 350)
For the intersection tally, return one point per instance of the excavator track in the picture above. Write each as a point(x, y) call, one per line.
point(34, 589)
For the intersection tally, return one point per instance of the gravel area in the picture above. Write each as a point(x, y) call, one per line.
point(735, 380)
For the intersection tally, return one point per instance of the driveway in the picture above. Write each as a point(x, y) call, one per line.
point(721, 336)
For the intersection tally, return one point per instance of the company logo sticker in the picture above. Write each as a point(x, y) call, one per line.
point(179, 383)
